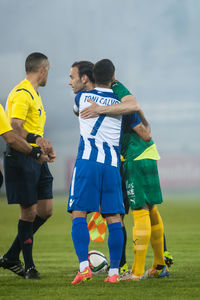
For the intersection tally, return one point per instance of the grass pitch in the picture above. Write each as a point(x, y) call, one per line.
point(56, 261)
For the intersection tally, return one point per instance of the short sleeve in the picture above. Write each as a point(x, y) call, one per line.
point(4, 123)
point(77, 99)
point(135, 120)
point(20, 105)
point(75, 108)
point(120, 90)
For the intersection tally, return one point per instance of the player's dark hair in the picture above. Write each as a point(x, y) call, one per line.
point(85, 68)
point(103, 71)
point(34, 62)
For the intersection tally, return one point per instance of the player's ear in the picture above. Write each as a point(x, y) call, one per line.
point(84, 79)
point(41, 70)
point(113, 79)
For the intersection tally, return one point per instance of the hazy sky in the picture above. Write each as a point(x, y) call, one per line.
point(154, 45)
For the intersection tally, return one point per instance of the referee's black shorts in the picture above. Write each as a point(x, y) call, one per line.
point(26, 181)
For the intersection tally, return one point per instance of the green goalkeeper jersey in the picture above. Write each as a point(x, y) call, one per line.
point(132, 146)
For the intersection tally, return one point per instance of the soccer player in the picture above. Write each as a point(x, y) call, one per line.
point(28, 183)
point(82, 79)
point(96, 178)
point(143, 188)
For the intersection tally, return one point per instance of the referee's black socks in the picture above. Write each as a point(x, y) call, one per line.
point(25, 235)
point(37, 223)
point(14, 251)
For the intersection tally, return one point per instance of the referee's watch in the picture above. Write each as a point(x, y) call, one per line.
point(36, 152)
point(31, 137)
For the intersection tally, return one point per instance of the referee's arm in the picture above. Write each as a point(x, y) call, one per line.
point(18, 143)
point(17, 125)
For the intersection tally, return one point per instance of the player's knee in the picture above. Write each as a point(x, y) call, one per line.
point(78, 214)
point(112, 218)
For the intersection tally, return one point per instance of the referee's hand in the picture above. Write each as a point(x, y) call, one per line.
point(43, 158)
point(52, 156)
point(45, 145)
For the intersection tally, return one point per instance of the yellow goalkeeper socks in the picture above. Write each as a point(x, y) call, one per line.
point(157, 237)
point(141, 237)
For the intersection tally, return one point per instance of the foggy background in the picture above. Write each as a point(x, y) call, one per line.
point(155, 47)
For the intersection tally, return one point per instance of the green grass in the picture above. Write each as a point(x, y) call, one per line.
point(55, 258)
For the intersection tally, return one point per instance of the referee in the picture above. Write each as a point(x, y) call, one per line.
point(17, 142)
point(28, 183)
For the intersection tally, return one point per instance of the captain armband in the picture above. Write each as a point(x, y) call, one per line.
point(36, 152)
point(31, 138)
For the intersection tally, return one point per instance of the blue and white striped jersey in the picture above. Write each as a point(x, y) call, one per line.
point(100, 136)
